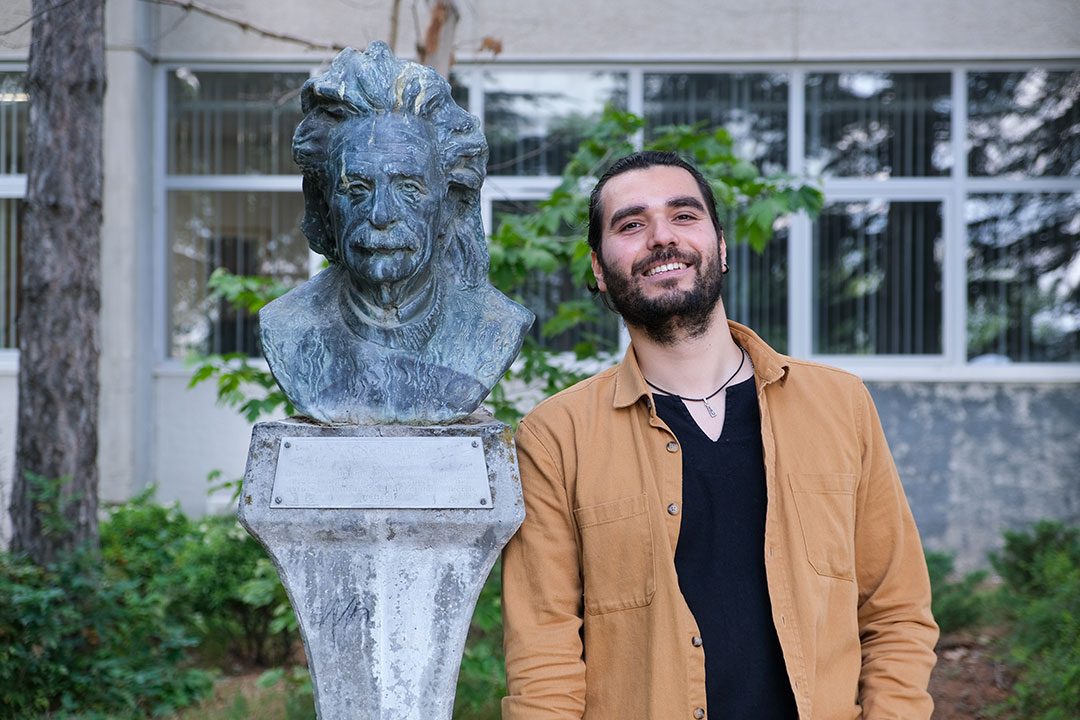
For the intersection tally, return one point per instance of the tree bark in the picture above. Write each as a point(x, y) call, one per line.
point(437, 47)
point(60, 297)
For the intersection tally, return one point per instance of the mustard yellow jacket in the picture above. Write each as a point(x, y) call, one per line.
point(595, 625)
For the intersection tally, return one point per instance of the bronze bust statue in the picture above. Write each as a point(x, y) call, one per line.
point(403, 326)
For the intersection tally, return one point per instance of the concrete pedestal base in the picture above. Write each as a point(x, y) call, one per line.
point(383, 595)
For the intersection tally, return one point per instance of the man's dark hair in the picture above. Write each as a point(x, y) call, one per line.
point(641, 161)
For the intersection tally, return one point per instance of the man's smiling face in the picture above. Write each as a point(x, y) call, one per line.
point(660, 255)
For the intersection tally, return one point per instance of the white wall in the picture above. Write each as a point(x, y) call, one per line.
point(193, 436)
point(766, 30)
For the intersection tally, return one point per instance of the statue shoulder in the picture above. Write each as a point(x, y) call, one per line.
point(305, 305)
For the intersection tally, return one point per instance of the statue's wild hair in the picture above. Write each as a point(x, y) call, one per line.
point(362, 84)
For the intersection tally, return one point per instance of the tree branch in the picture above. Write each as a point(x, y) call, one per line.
point(34, 16)
point(195, 6)
point(395, 19)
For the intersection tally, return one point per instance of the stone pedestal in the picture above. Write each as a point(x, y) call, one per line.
point(383, 568)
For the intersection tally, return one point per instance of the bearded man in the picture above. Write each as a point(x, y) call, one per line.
point(712, 529)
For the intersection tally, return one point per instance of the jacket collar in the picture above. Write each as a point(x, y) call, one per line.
point(769, 366)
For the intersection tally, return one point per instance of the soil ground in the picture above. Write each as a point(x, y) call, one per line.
point(967, 681)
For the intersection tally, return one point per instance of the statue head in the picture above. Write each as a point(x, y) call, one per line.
point(392, 172)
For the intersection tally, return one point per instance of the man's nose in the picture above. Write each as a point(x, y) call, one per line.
point(662, 235)
point(381, 208)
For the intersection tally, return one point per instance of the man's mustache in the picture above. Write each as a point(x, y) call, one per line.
point(666, 255)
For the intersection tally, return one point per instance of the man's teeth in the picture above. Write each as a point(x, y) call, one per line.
point(665, 268)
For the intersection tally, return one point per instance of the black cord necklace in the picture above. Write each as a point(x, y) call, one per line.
point(712, 413)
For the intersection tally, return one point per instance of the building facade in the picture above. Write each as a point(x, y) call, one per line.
point(944, 268)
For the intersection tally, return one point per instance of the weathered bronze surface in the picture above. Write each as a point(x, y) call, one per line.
point(403, 327)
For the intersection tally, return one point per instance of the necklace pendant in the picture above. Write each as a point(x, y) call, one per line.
point(712, 413)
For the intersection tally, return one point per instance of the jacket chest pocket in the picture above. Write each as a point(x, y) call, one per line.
point(826, 506)
point(616, 555)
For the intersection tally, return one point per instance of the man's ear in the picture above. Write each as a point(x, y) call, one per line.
point(598, 272)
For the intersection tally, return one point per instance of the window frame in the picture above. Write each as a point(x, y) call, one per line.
point(950, 190)
point(165, 182)
point(12, 187)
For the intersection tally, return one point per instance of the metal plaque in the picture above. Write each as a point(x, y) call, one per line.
point(381, 472)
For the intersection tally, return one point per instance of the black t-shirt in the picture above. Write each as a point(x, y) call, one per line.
point(720, 559)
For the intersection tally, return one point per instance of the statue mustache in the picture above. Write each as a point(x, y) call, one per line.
point(374, 240)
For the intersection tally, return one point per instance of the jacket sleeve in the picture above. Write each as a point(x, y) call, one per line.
point(896, 630)
point(542, 601)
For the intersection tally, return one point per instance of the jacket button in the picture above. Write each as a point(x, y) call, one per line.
point(696, 641)
point(699, 713)
point(673, 446)
point(673, 509)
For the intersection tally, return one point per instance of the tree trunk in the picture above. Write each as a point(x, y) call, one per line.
point(437, 47)
point(54, 498)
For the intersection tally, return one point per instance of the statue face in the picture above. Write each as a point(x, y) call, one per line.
point(388, 189)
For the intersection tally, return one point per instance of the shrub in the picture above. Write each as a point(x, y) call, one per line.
point(957, 605)
point(216, 580)
point(482, 679)
point(1041, 570)
point(72, 639)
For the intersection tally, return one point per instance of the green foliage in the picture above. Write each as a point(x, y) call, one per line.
point(482, 678)
point(299, 694)
point(957, 605)
point(213, 575)
point(47, 495)
point(76, 642)
point(242, 384)
point(1041, 570)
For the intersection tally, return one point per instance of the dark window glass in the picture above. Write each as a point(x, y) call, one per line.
point(756, 289)
point(753, 107)
point(232, 123)
point(247, 233)
point(543, 292)
point(14, 114)
point(878, 124)
point(1024, 123)
point(10, 263)
point(1023, 271)
point(535, 120)
point(877, 278)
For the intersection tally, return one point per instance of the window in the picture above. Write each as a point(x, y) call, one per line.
point(753, 107)
point(877, 278)
point(534, 120)
point(14, 114)
point(543, 292)
point(1023, 270)
point(1024, 123)
point(949, 241)
point(878, 124)
point(232, 198)
point(1023, 232)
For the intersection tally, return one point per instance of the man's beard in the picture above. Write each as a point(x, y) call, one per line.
point(674, 313)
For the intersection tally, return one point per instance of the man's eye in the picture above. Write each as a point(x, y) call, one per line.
point(633, 224)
